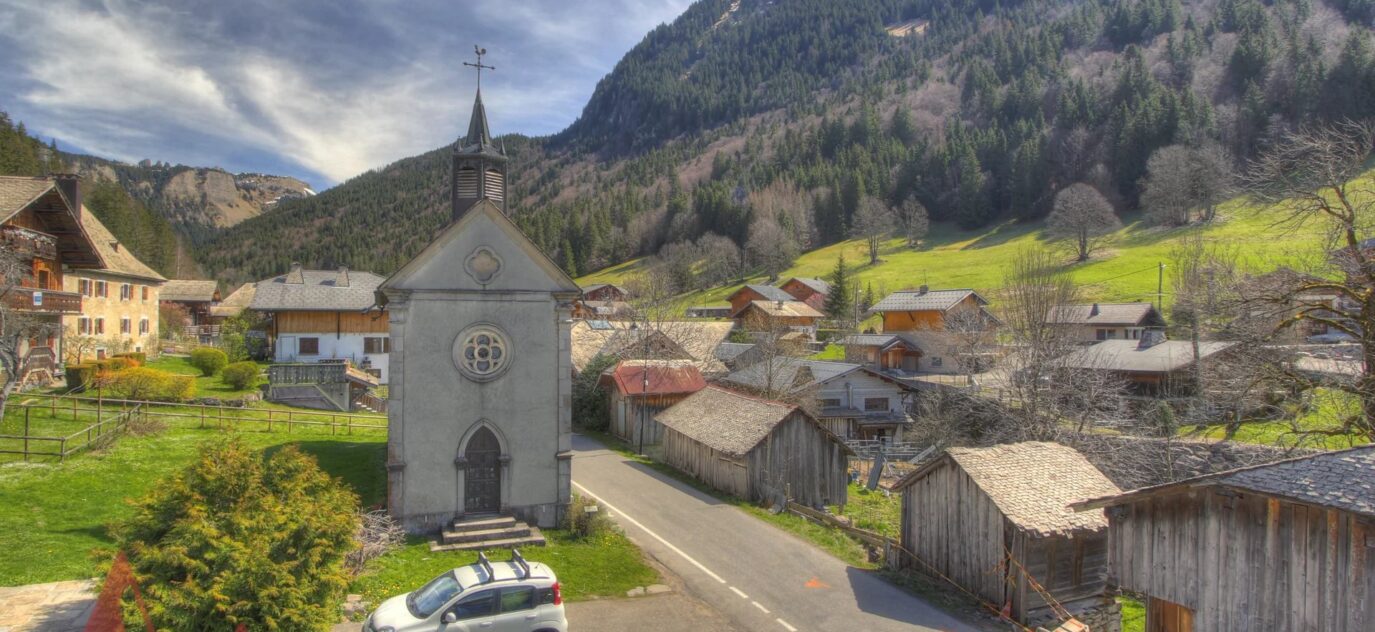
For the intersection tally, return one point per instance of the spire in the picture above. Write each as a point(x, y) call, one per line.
point(479, 135)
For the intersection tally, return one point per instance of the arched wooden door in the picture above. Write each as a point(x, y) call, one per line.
point(482, 474)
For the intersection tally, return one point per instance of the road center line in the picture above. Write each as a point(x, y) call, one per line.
point(785, 624)
point(760, 607)
point(656, 536)
point(737, 591)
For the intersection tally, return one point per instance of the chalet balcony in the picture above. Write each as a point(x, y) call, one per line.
point(26, 299)
point(28, 243)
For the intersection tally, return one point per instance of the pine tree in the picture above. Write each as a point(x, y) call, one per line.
point(838, 300)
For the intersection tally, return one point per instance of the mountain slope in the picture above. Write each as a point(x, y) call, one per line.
point(778, 117)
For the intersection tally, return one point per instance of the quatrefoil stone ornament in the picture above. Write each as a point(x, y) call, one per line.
point(483, 265)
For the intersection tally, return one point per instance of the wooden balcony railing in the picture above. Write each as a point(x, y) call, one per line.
point(28, 243)
point(27, 299)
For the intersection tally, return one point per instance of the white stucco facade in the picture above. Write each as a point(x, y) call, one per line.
point(331, 345)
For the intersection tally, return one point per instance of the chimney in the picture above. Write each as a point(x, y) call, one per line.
point(923, 289)
point(1094, 310)
point(1151, 338)
point(70, 186)
point(341, 279)
point(296, 275)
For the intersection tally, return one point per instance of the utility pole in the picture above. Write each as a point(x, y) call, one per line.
point(1160, 289)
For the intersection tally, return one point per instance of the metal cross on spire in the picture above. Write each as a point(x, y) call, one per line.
point(480, 52)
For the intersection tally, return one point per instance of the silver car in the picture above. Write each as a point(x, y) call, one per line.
point(514, 596)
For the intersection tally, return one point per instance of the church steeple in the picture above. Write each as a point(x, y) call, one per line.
point(479, 166)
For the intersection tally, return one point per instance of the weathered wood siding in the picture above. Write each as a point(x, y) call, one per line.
point(952, 526)
point(1071, 568)
point(329, 323)
point(1248, 562)
point(718, 470)
point(803, 460)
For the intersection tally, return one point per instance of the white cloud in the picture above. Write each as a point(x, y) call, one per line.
point(354, 91)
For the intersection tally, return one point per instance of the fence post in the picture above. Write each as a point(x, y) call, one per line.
point(269, 420)
point(348, 423)
point(202, 417)
point(62, 450)
point(331, 425)
point(220, 423)
point(54, 410)
point(26, 434)
point(73, 408)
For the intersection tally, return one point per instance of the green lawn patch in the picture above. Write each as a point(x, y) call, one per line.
point(600, 567)
point(1133, 614)
point(876, 511)
point(1325, 409)
point(205, 386)
point(53, 516)
point(831, 352)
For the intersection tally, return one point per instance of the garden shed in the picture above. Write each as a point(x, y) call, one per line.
point(997, 521)
point(752, 448)
point(639, 389)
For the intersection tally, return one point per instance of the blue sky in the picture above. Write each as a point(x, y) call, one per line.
point(319, 89)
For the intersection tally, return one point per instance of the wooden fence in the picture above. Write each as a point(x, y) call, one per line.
point(103, 430)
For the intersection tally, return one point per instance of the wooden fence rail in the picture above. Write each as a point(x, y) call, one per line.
point(101, 430)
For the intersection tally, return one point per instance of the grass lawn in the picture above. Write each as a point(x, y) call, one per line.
point(953, 258)
point(875, 511)
point(205, 386)
point(604, 567)
point(1133, 615)
point(1326, 409)
point(832, 352)
point(53, 516)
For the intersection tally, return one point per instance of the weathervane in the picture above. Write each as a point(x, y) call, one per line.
point(480, 52)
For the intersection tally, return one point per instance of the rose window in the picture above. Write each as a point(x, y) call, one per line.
point(481, 353)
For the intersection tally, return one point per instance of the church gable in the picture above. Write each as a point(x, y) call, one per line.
point(483, 250)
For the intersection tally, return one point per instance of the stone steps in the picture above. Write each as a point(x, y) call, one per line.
point(493, 532)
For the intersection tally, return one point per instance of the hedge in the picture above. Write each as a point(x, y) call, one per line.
point(209, 360)
point(80, 376)
point(137, 356)
point(143, 383)
point(240, 375)
point(116, 363)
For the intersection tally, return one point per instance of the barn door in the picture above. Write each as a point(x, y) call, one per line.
point(482, 475)
point(1164, 616)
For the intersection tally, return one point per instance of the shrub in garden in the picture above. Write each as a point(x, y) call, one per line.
point(239, 538)
point(209, 360)
point(142, 383)
point(140, 358)
point(240, 375)
point(116, 363)
point(586, 519)
point(80, 376)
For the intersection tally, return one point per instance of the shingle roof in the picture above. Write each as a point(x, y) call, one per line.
point(1343, 480)
point(1127, 314)
point(236, 302)
point(871, 340)
point(665, 377)
point(1032, 483)
point(1126, 355)
point(317, 291)
point(917, 300)
point(785, 309)
point(816, 284)
point(696, 338)
point(728, 351)
point(17, 192)
point(117, 258)
point(724, 420)
point(787, 374)
point(767, 291)
point(188, 290)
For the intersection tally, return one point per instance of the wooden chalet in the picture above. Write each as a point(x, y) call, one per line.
point(637, 390)
point(808, 290)
point(1288, 545)
point(997, 522)
point(1106, 321)
point(924, 309)
point(788, 315)
point(323, 315)
point(755, 449)
point(912, 353)
point(849, 400)
point(605, 292)
point(40, 222)
point(1152, 365)
point(741, 298)
point(198, 297)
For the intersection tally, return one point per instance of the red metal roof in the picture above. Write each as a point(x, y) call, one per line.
point(664, 379)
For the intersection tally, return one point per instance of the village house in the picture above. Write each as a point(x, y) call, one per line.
point(913, 353)
point(1151, 365)
point(609, 292)
point(808, 290)
point(996, 521)
point(780, 316)
point(1106, 321)
point(924, 309)
point(749, 293)
point(197, 297)
point(637, 390)
point(40, 223)
point(1288, 545)
point(233, 304)
point(692, 340)
point(119, 306)
point(755, 449)
point(849, 400)
point(322, 315)
point(1272, 299)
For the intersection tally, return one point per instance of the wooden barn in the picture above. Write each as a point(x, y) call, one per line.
point(997, 522)
point(1284, 546)
point(638, 390)
point(752, 448)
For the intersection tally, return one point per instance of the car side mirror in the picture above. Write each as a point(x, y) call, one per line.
point(449, 617)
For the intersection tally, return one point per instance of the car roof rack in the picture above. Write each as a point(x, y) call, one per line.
point(487, 566)
point(520, 561)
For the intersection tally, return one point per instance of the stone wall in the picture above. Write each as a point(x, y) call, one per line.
point(1133, 462)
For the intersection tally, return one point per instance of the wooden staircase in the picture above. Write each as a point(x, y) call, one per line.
point(493, 532)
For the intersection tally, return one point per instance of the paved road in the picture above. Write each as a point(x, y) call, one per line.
point(759, 577)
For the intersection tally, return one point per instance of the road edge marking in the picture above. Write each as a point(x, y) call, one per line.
point(737, 591)
point(652, 534)
point(761, 607)
point(785, 624)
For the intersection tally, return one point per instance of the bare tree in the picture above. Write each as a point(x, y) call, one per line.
point(721, 260)
point(913, 220)
point(17, 326)
point(1083, 217)
point(1313, 176)
point(770, 247)
point(1180, 180)
point(873, 221)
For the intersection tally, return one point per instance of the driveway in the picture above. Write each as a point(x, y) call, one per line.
point(757, 576)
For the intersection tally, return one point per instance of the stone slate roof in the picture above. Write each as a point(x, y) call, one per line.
point(724, 420)
point(728, 351)
point(790, 308)
point(317, 291)
point(694, 339)
point(236, 302)
point(116, 255)
point(1343, 480)
point(1127, 355)
point(188, 291)
point(1032, 483)
point(930, 300)
point(767, 291)
point(1121, 314)
point(817, 285)
point(788, 374)
point(17, 192)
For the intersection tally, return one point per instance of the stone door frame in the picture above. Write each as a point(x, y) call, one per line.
point(503, 461)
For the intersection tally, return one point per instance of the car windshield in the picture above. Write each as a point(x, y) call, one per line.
point(432, 596)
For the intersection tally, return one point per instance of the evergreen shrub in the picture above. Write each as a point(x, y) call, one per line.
point(209, 360)
point(80, 376)
point(240, 375)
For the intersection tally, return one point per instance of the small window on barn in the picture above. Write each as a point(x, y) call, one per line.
point(308, 346)
point(936, 361)
point(377, 344)
point(872, 404)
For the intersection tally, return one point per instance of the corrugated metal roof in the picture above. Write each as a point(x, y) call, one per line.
point(919, 301)
point(666, 377)
point(317, 291)
point(1123, 314)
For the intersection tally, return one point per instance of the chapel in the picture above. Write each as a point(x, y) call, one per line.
point(479, 419)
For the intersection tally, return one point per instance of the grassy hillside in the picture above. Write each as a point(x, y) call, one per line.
point(952, 258)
